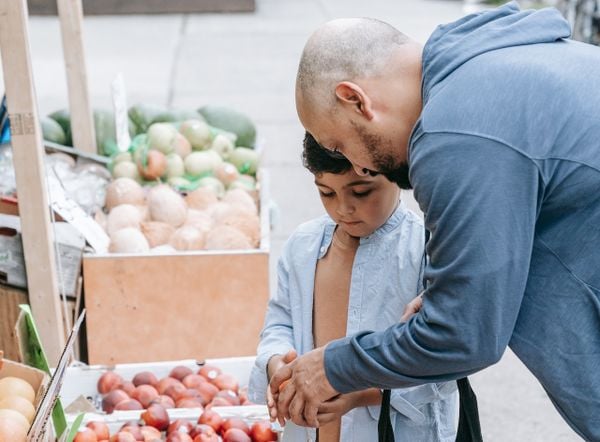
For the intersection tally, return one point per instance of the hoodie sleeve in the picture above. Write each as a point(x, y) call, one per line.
point(277, 334)
point(480, 198)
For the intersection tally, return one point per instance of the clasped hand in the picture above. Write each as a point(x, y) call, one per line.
point(299, 390)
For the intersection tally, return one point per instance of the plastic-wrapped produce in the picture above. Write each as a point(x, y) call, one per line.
point(84, 182)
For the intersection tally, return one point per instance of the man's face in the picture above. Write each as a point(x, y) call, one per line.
point(368, 145)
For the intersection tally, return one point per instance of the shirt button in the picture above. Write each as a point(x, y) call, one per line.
point(322, 249)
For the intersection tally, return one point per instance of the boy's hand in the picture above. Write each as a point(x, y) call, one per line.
point(275, 363)
point(412, 308)
point(337, 407)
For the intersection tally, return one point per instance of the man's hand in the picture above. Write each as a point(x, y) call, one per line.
point(275, 364)
point(412, 308)
point(308, 387)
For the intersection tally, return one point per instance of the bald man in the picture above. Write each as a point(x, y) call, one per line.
point(495, 123)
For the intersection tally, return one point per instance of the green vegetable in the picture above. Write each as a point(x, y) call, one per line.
point(245, 159)
point(231, 121)
point(63, 118)
point(104, 126)
point(52, 131)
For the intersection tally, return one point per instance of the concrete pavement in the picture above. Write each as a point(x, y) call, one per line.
point(248, 61)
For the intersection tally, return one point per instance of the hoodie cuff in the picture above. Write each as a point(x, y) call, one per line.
point(341, 365)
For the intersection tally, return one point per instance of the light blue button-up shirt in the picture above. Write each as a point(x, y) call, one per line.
point(386, 275)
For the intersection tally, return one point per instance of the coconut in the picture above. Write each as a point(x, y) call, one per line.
point(122, 156)
point(175, 167)
point(161, 137)
point(153, 165)
point(13, 426)
point(227, 173)
point(181, 146)
point(216, 185)
point(126, 169)
point(125, 215)
point(157, 233)
point(201, 198)
point(245, 159)
point(223, 146)
point(245, 222)
point(218, 211)
point(164, 249)
point(226, 238)
point(20, 405)
point(124, 191)
point(166, 205)
point(199, 219)
point(242, 199)
point(187, 238)
point(197, 133)
point(128, 240)
point(198, 164)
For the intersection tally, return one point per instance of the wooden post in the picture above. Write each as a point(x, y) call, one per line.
point(82, 121)
point(26, 140)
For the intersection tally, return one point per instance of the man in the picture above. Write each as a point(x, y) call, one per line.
point(495, 123)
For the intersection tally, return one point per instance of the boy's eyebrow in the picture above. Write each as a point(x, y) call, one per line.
point(353, 183)
point(358, 182)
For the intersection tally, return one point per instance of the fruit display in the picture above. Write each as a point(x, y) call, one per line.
point(161, 220)
point(184, 184)
point(182, 388)
point(17, 409)
point(155, 425)
point(56, 127)
point(184, 154)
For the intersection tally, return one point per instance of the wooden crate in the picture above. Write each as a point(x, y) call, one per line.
point(96, 7)
point(10, 298)
point(158, 308)
point(205, 304)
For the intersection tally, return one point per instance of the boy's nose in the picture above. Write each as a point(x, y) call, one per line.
point(344, 209)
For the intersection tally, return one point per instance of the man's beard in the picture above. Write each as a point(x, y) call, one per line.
point(386, 163)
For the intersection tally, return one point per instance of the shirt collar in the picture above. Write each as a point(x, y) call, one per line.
point(392, 223)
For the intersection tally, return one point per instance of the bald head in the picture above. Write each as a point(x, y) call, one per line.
point(344, 50)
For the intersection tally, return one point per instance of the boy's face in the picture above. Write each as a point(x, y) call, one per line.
point(358, 204)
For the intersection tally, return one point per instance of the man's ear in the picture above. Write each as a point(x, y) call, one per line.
point(352, 94)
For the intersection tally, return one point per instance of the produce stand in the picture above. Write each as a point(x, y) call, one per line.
point(198, 299)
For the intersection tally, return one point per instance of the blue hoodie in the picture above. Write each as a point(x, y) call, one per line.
point(505, 164)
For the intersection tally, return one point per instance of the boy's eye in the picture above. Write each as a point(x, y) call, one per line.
point(325, 194)
point(362, 194)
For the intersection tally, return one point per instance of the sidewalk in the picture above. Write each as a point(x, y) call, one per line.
point(248, 61)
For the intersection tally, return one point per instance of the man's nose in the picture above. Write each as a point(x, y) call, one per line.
point(360, 171)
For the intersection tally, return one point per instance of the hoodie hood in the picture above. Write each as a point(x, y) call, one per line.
point(454, 44)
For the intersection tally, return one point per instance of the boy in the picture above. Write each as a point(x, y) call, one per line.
point(334, 281)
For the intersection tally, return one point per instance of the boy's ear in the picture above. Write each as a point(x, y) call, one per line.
point(353, 95)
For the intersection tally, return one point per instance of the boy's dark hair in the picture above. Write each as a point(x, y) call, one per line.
point(318, 160)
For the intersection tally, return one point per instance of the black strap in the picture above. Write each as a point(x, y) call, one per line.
point(384, 426)
point(469, 428)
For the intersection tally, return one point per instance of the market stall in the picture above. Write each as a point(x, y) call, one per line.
point(153, 220)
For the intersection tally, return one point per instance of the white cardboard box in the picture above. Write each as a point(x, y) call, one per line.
point(82, 381)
